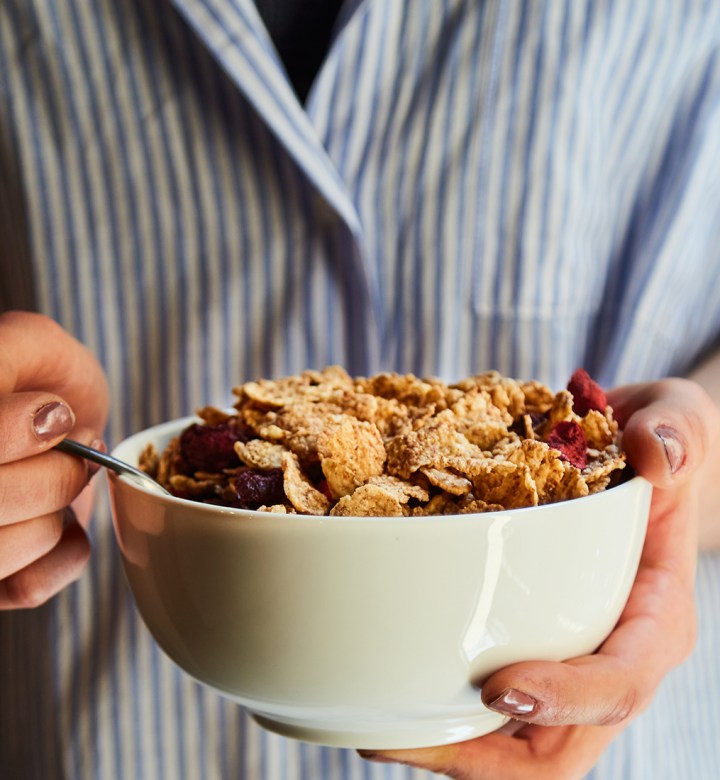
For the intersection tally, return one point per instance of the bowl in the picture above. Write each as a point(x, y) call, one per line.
point(372, 632)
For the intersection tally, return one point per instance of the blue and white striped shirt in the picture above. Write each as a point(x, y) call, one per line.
point(525, 185)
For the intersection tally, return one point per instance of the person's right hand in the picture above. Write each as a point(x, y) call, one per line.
point(50, 385)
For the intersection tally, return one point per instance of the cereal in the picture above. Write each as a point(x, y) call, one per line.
point(602, 466)
point(431, 445)
point(299, 489)
point(561, 410)
point(309, 386)
point(402, 489)
point(369, 501)
point(545, 465)
point(351, 451)
point(600, 432)
point(448, 480)
point(395, 445)
point(510, 485)
point(260, 454)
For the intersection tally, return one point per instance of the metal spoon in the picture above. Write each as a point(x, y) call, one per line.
point(118, 466)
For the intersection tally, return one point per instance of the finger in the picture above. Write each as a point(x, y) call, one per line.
point(486, 758)
point(668, 428)
point(42, 484)
point(32, 422)
point(23, 543)
point(82, 506)
point(565, 753)
point(36, 354)
point(35, 584)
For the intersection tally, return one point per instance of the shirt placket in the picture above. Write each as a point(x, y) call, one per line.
point(234, 34)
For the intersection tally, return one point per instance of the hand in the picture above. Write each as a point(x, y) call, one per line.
point(50, 385)
point(670, 427)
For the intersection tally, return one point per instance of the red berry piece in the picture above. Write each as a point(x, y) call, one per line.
point(568, 438)
point(209, 447)
point(586, 392)
point(256, 488)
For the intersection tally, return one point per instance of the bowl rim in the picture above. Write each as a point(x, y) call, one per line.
point(633, 484)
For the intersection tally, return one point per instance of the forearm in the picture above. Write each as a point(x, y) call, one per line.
point(708, 377)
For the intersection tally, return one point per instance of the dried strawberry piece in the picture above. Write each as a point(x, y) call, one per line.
point(568, 438)
point(209, 447)
point(257, 488)
point(586, 392)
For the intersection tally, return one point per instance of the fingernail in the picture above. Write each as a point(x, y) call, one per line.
point(52, 420)
point(673, 446)
point(513, 703)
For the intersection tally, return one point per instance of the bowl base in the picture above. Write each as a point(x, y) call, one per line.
point(391, 735)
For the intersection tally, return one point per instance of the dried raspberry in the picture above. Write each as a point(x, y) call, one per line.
point(586, 392)
point(568, 438)
point(209, 447)
point(256, 488)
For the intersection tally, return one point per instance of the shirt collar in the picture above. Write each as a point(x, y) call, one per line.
point(233, 32)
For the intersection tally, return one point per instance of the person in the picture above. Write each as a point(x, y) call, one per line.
point(523, 186)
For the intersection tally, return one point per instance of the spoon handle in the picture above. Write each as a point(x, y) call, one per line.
point(118, 466)
point(81, 450)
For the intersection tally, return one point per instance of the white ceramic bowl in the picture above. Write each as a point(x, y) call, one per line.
point(372, 632)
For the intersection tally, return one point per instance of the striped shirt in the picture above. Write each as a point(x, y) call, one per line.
point(524, 185)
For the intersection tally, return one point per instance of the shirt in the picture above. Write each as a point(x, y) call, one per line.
point(522, 185)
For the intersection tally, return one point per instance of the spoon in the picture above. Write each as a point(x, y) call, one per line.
point(118, 466)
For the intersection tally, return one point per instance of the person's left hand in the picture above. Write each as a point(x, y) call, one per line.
point(566, 714)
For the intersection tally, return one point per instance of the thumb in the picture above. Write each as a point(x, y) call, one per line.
point(668, 428)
